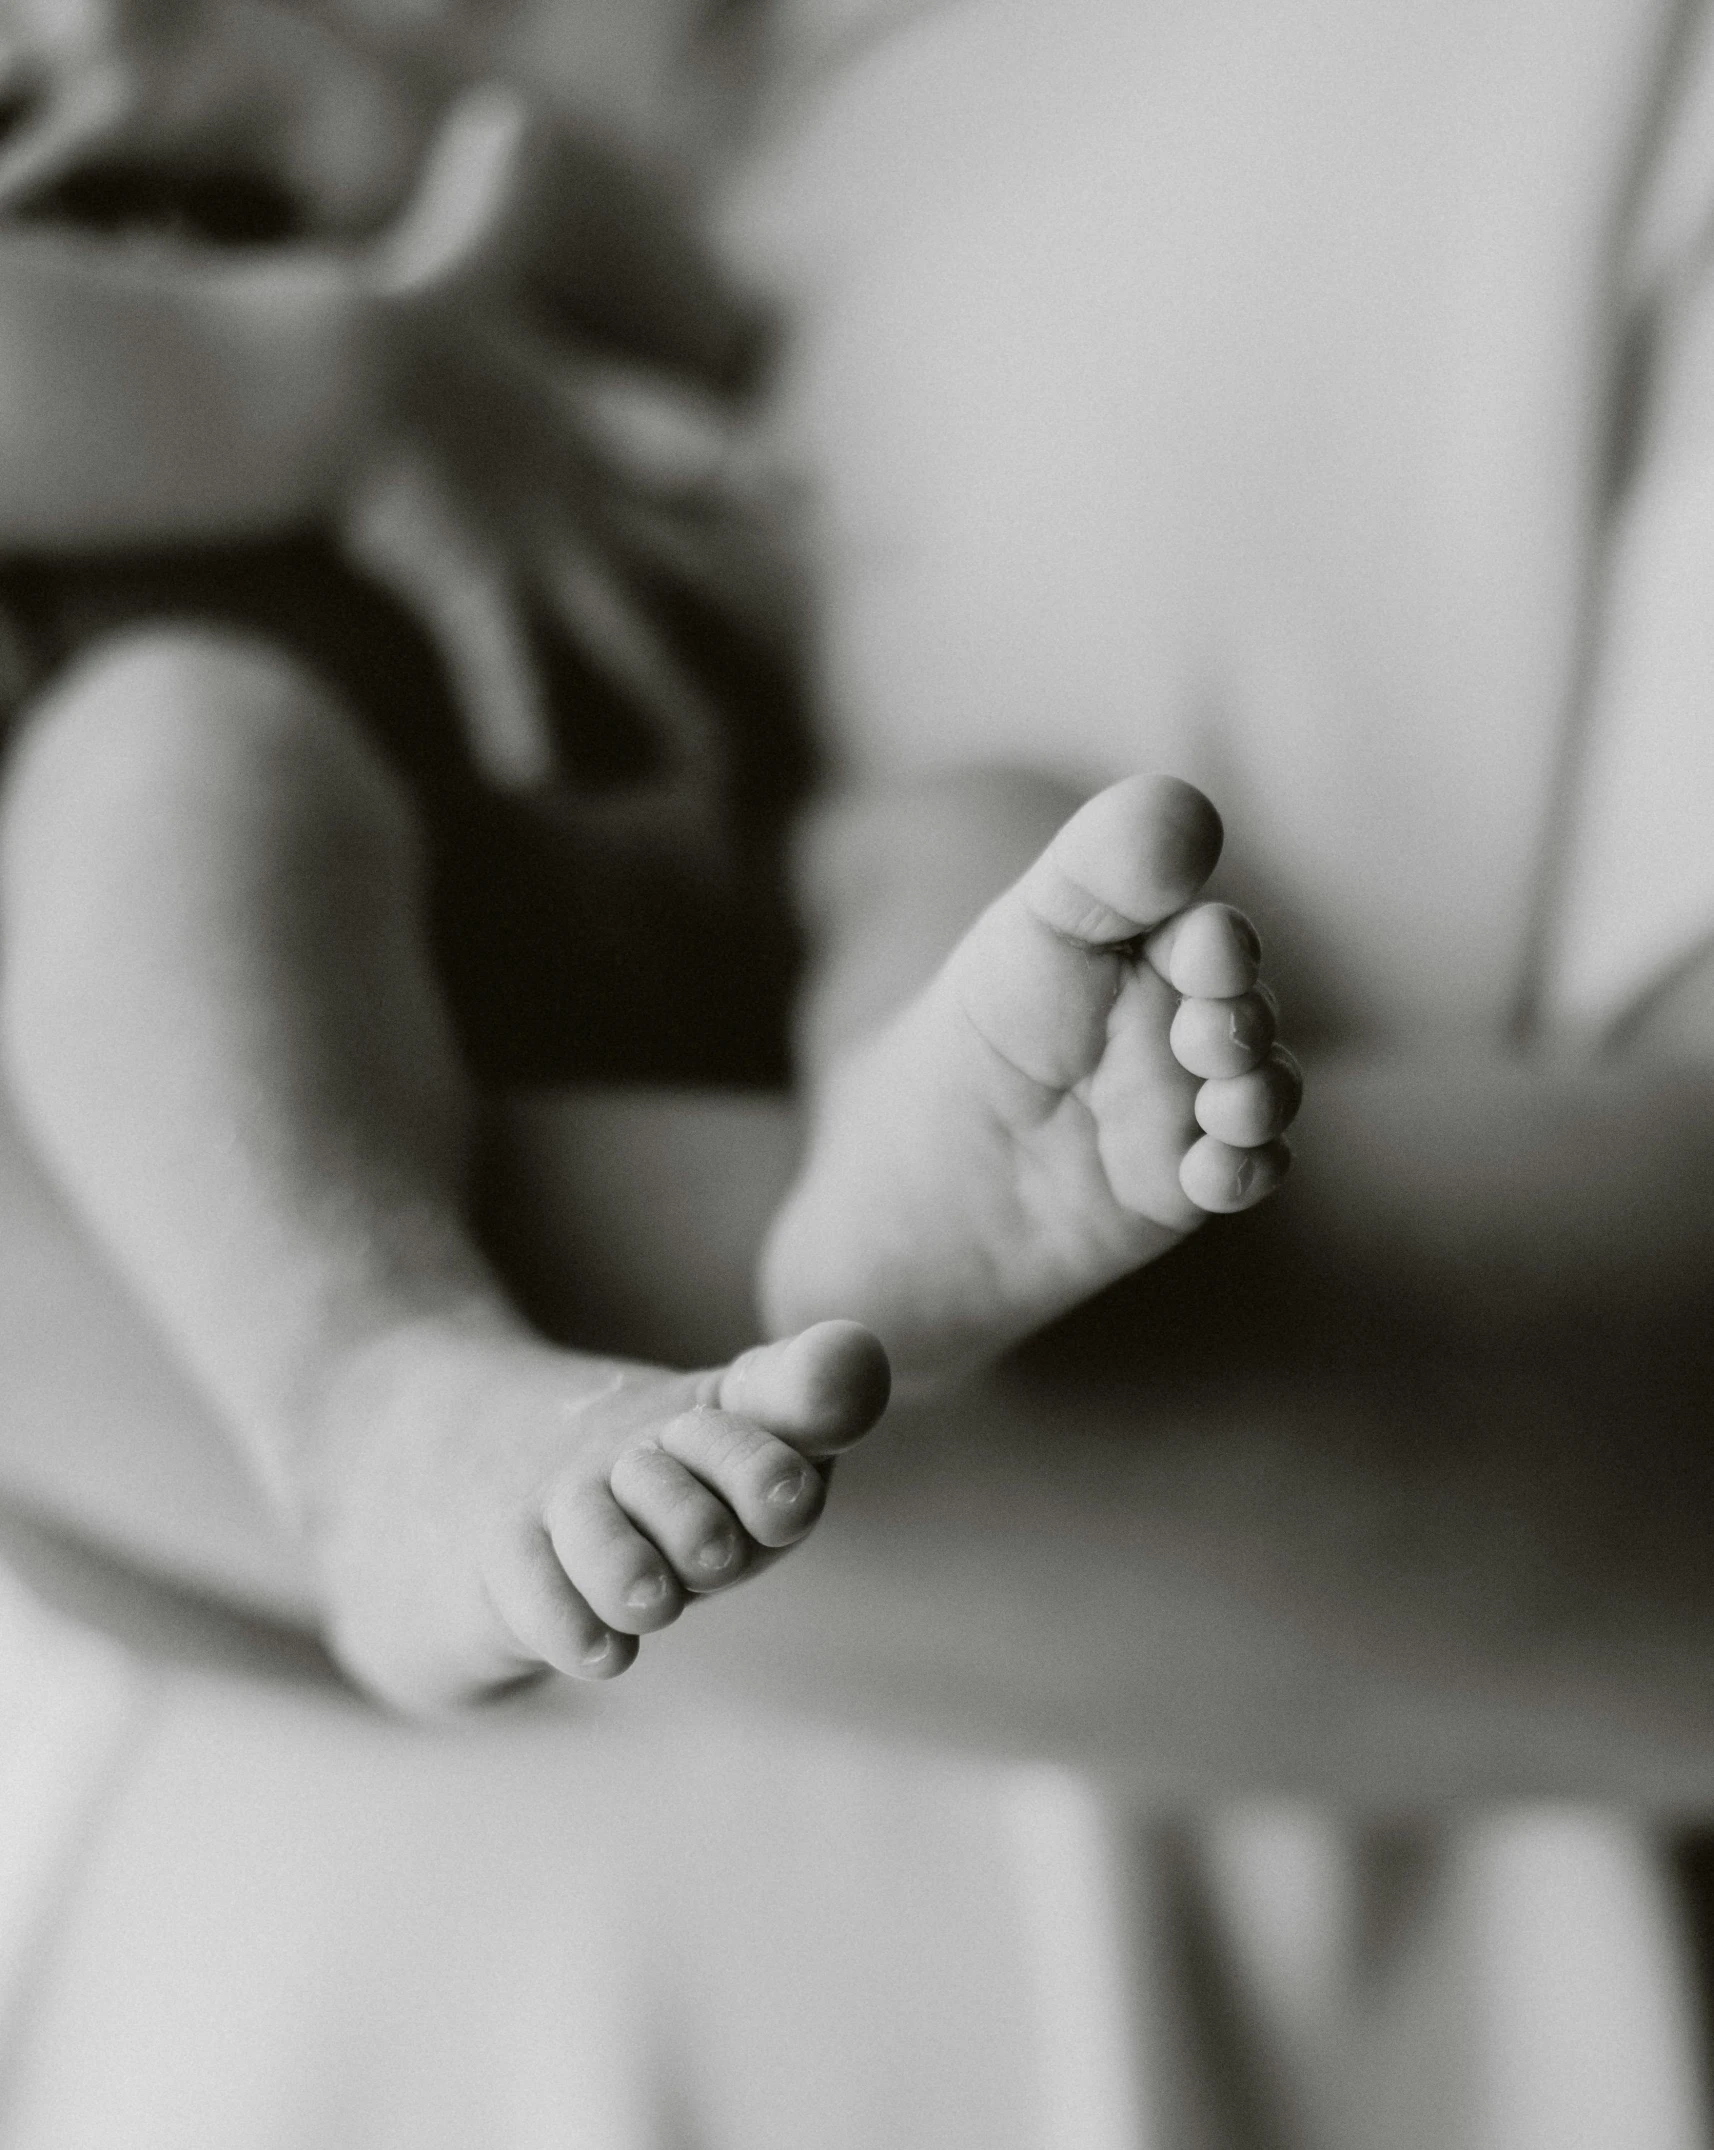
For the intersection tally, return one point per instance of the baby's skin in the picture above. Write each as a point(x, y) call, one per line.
point(220, 1023)
point(497, 1507)
point(221, 1027)
point(1091, 1072)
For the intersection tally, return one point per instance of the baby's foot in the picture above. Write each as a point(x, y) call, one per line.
point(1092, 1071)
point(493, 1507)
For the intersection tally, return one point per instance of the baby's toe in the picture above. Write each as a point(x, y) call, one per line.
point(775, 1493)
point(1136, 852)
point(1210, 951)
point(1143, 1104)
point(1223, 1037)
point(1248, 1110)
point(554, 1623)
point(609, 1561)
point(1221, 1178)
point(821, 1390)
point(694, 1529)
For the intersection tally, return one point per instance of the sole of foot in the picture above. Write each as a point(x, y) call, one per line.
point(1092, 1072)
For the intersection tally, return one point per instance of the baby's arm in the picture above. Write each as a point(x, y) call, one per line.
point(221, 1029)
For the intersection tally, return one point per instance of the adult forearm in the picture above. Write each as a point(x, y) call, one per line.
point(1400, 1493)
point(1497, 1195)
point(1184, 1536)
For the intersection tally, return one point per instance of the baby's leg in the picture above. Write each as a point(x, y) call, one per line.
point(1089, 1073)
point(220, 1024)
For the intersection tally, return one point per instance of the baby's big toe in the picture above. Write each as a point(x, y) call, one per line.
point(1142, 848)
point(820, 1390)
point(1132, 855)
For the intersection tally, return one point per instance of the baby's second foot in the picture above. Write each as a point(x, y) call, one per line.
point(492, 1507)
point(1092, 1071)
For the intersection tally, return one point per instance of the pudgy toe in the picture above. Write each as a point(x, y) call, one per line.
point(1141, 848)
point(1255, 1108)
point(1221, 1179)
point(617, 1571)
point(1222, 1038)
point(665, 1496)
point(1211, 951)
point(820, 1390)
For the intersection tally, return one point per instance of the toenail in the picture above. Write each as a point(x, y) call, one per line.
point(718, 1552)
point(1244, 1025)
point(788, 1489)
point(598, 1652)
point(647, 1592)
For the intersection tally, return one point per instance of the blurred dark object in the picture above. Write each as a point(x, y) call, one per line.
point(1691, 1856)
point(216, 206)
point(607, 881)
point(602, 927)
